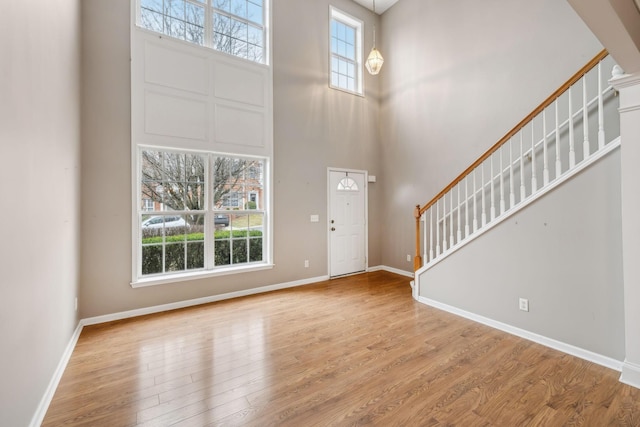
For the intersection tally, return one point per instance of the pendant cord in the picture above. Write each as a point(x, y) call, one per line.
point(374, 25)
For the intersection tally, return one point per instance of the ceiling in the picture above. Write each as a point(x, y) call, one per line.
point(381, 5)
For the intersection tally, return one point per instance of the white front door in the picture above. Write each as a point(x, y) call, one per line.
point(347, 222)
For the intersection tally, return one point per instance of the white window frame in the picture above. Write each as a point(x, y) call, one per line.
point(357, 25)
point(208, 32)
point(210, 212)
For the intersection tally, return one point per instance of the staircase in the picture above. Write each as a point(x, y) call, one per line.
point(549, 192)
point(561, 137)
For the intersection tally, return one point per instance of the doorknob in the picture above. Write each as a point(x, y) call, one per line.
point(333, 229)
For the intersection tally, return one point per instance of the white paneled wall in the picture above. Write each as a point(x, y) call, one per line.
point(187, 96)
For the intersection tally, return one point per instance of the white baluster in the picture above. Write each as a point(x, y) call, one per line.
point(431, 233)
point(600, 109)
point(451, 241)
point(572, 150)
point(585, 117)
point(534, 178)
point(523, 190)
point(502, 207)
point(484, 207)
point(466, 207)
point(493, 198)
point(475, 203)
point(423, 218)
point(545, 168)
point(459, 233)
point(558, 161)
point(512, 195)
point(438, 228)
point(444, 223)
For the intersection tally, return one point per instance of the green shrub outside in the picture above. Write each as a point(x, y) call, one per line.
point(175, 256)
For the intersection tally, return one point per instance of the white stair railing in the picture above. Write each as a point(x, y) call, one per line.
point(519, 164)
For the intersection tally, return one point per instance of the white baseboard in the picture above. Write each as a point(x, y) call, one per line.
point(630, 374)
point(41, 411)
point(390, 270)
point(198, 301)
point(590, 356)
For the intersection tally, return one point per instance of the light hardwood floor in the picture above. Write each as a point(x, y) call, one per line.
point(352, 351)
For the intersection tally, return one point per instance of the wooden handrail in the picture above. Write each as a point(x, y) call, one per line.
point(417, 262)
point(577, 76)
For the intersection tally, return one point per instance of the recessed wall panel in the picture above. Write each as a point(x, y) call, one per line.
point(238, 126)
point(238, 84)
point(169, 115)
point(178, 70)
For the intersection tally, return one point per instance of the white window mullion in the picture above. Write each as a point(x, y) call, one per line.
point(208, 24)
point(209, 227)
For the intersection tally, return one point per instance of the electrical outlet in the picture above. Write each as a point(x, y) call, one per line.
point(306, 263)
point(524, 304)
point(408, 258)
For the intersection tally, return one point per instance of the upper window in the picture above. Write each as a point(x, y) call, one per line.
point(236, 27)
point(346, 52)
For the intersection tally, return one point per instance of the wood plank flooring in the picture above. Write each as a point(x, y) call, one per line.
point(351, 351)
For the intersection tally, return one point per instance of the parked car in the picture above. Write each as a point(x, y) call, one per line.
point(167, 221)
point(221, 220)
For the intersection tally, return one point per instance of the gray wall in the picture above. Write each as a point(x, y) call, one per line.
point(458, 76)
point(39, 152)
point(315, 127)
point(563, 253)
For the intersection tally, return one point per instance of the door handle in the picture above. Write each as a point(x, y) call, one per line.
point(333, 229)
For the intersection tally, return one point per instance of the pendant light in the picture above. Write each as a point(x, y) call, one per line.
point(374, 60)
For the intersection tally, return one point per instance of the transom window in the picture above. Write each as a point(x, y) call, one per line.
point(236, 27)
point(207, 212)
point(347, 184)
point(346, 52)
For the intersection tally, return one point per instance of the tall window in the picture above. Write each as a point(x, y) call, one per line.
point(236, 27)
point(195, 226)
point(346, 52)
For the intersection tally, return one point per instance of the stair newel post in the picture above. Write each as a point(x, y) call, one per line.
point(558, 161)
point(430, 234)
point(545, 169)
point(475, 203)
point(502, 207)
point(572, 149)
point(466, 207)
point(417, 261)
point(523, 190)
point(585, 117)
point(600, 109)
point(534, 177)
point(512, 195)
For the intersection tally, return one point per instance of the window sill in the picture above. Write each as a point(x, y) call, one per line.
point(182, 277)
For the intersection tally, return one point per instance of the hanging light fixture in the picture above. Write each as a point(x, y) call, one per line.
point(374, 60)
